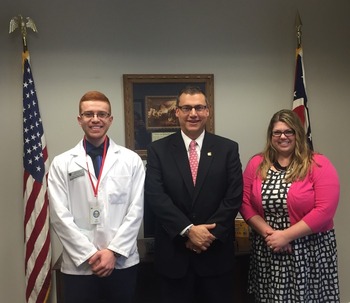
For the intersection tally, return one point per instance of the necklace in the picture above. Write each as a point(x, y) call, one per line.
point(279, 166)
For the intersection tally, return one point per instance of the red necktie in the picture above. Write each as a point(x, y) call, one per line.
point(193, 160)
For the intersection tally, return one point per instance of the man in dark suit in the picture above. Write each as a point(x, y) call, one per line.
point(194, 238)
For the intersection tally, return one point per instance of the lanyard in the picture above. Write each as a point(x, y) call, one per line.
point(95, 188)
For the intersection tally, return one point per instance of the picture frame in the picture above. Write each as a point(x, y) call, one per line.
point(149, 103)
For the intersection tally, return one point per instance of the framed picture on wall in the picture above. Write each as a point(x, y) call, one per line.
point(150, 105)
point(160, 113)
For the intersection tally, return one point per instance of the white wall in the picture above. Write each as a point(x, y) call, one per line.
point(248, 45)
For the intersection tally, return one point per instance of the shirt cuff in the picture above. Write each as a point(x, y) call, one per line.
point(183, 233)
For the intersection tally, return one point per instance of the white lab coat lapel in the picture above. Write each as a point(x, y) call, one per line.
point(111, 158)
point(80, 158)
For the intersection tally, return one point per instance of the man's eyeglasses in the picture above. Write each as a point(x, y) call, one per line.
point(287, 133)
point(90, 115)
point(187, 108)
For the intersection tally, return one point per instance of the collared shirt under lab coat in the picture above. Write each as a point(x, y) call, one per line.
point(120, 198)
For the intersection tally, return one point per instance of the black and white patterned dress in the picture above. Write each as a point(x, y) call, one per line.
point(309, 274)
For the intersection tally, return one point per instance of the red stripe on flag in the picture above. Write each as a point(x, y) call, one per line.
point(26, 175)
point(45, 290)
point(300, 111)
point(39, 262)
point(45, 154)
point(32, 199)
point(38, 227)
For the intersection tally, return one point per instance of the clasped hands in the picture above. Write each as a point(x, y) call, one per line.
point(200, 238)
point(277, 241)
point(102, 263)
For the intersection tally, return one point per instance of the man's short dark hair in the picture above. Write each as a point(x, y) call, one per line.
point(191, 90)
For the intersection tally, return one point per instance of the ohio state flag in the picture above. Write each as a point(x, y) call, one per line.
point(300, 98)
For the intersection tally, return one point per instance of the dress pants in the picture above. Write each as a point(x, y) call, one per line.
point(195, 289)
point(118, 287)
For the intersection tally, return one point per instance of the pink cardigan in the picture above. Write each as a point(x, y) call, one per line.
point(313, 200)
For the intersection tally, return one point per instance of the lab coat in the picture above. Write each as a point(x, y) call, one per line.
point(119, 200)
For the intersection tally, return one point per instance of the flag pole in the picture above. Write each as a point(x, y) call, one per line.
point(298, 25)
point(37, 243)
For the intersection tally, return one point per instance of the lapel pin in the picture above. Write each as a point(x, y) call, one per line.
point(209, 154)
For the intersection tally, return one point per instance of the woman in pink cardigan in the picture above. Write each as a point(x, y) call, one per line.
point(290, 197)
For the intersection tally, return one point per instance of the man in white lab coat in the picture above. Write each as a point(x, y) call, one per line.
point(96, 209)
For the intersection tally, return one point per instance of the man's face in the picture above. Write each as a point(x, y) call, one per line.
point(193, 122)
point(95, 127)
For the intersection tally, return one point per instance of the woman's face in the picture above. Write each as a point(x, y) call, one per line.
point(283, 138)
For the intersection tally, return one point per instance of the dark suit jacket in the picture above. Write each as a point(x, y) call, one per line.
point(177, 203)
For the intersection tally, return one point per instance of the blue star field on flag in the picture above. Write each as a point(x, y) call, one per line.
point(33, 159)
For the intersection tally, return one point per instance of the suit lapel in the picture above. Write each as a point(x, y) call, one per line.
point(205, 161)
point(179, 153)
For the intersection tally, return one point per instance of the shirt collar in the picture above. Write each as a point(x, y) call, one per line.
point(187, 140)
point(90, 147)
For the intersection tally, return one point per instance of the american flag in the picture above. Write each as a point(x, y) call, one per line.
point(300, 98)
point(36, 215)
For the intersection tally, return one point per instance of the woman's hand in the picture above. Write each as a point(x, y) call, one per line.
point(278, 241)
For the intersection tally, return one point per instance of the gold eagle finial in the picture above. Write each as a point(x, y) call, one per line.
point(23, 24)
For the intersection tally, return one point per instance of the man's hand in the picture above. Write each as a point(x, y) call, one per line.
point(192, 247)
point(201, 237)
point(102, 263)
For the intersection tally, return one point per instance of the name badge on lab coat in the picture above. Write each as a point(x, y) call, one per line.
point(95, 215)
point(76, 174)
